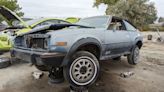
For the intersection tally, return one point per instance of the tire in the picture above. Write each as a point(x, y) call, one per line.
point(42, 67)
point(82, 70)
point(133, 57)
point(117, 58)
point(4, 62)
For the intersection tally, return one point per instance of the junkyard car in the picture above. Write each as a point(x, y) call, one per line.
point(18, 26)
point(78, 48)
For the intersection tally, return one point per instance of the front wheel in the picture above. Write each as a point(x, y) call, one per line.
point(82, 70)
point(133, 57)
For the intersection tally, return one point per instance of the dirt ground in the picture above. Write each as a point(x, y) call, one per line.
point(148, 77)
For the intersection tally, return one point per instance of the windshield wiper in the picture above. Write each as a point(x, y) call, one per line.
point(85, 26)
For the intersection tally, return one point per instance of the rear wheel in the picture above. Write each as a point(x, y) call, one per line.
point(82, 70)
point(133, 57)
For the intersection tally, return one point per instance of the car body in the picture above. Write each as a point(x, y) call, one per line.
point(77, 48)
point(20, 26)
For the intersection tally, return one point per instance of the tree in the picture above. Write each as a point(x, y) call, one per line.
point(161, 19)
point(12, 5)
point(139, 12)
point(107, 2)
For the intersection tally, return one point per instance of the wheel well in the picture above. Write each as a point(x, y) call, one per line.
point(139, 44)
point(92, 48)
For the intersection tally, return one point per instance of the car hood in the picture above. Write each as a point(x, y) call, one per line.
point(54, 27)
point(11, 16)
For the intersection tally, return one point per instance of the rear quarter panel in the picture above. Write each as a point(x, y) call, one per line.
point(135, 36)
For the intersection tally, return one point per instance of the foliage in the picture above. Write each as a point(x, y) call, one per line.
point(139, 12)
point(161, 29)
point(149, 28)
point(12, 5)
point(107, 2)
point(161, 19)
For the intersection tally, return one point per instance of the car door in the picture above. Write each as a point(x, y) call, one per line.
point(117, 38)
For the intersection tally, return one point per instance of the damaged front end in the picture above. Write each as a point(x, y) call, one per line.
point(38, 39)
point(35, 46)
point(32, 41)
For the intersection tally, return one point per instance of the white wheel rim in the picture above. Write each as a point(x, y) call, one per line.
point(83, 70)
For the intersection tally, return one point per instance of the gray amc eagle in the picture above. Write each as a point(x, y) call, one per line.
point(77, 49)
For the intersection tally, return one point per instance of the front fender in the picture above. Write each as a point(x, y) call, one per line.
point(79, 43)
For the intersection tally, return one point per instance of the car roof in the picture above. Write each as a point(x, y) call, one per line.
point(110, 16)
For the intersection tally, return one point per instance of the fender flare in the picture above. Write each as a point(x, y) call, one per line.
point(79, 43)
point(137, 40)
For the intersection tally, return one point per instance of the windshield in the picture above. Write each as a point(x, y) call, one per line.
point(29, 22)
point(97, 22)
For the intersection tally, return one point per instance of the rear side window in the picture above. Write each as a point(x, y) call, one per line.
point(117, 25)
point(129, 27)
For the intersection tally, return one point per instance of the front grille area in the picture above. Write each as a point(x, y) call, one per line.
point(40, 43)
point(35, 41)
